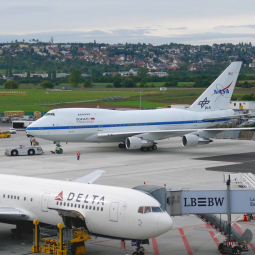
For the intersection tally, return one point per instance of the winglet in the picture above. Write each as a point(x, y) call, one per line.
point(90, 178)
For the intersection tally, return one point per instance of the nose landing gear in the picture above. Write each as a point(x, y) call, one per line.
point(139, 250)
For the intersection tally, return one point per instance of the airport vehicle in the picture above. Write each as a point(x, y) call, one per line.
point(23, 150)
point(107, 211)
point(13, 130)
point(140, 129)
point(60, 151)
point(21, 124)
point(5, 134)
point(5, 120)
point(28, 135)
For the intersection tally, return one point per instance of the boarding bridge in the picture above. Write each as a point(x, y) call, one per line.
point(205, 204)
point(242, 180)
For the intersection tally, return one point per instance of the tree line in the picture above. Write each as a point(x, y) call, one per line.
point(142, 79)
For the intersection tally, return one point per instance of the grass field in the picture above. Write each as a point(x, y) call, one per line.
point(39, 99)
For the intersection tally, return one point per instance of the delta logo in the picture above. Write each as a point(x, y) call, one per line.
point(59, 197)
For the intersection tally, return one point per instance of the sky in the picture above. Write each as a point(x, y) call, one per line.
point(195, 22)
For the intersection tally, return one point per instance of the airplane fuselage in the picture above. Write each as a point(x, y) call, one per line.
point(84, 124)
point(104, 210)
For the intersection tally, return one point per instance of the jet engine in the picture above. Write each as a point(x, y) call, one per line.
point(194, 140)
point(136, 143)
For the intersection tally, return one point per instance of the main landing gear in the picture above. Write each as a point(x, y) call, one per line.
point(122, 146)
point(151, 148)
point(154, 147)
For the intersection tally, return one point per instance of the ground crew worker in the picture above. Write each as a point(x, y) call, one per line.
point(58, 150)
point(78, 155)
point(31, 141)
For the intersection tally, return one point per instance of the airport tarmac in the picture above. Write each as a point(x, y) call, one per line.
point(172, 164)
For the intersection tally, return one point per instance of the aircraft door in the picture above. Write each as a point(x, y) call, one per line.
point(45, 200)
point(71, 127)
point(100, 126)
point(114, 208)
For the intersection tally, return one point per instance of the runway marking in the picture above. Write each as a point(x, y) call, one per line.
point(213, 235)
point(155, 246)
point(132, 173)
point(185, 241)
point(160, 170)
point(241, 232)
point(193, 226)
point(114, 247)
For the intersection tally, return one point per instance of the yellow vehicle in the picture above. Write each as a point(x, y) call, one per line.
point(5, 134)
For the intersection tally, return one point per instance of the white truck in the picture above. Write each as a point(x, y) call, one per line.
point(23, 150)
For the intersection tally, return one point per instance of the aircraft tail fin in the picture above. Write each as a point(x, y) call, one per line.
point(217, 96)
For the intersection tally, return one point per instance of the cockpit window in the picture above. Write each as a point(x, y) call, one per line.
point(140, 210)
point(148, 209)
point(156, 209)
point(50, 114)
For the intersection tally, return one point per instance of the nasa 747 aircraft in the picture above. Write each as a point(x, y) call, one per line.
point(140, 129)
point(107, 211)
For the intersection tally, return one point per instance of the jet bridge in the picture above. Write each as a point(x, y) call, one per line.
point(205, 204)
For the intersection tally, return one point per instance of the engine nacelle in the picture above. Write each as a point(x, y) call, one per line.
point(136, 143)
point(194, 140)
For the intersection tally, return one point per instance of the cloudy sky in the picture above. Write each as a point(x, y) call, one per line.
point(133, 21)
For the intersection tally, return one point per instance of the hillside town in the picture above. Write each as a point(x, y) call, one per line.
point(125, 59)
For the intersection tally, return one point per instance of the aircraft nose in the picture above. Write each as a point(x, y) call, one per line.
point(165, 223)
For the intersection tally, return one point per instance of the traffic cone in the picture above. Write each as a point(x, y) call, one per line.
point(245, 217)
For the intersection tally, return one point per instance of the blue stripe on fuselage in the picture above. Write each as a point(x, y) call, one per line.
point(125, 125)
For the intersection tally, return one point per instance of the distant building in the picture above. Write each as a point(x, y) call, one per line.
point(159, 74)
point(22, 75)
point(61, 75)
point(243, 106)
point(43, 75)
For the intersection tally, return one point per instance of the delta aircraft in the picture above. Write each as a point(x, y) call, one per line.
point(107, 211)
point(139, 129)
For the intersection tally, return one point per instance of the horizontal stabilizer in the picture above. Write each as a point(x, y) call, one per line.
point(90, 178)
point(237, 116)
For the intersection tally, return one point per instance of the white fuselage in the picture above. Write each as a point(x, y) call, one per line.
point(84, 124)
point(107, 211)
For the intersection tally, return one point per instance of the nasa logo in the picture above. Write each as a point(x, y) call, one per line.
point(221, 91)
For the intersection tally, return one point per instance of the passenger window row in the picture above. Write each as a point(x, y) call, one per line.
point(87, 207)
point(15, 197)
point(11, 197)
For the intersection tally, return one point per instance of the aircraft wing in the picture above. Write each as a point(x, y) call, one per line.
point(10, 213)
point(229, 117)
point(163, 134)
point(150, 135)
point(90, 178)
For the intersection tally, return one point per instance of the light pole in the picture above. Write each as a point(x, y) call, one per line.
point(140, 91)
